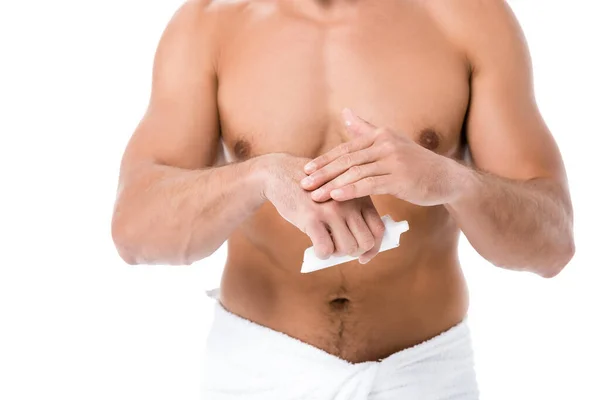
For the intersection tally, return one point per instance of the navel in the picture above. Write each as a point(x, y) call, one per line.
point(429, 139)
point(339, 304)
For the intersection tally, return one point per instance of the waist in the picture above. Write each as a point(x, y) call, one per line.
point(355, 312)
point(265, 363)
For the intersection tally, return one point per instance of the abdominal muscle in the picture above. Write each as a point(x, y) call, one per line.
point(357, 312)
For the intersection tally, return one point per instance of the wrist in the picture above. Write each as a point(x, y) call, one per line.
point(263, 172)
point(466, 183)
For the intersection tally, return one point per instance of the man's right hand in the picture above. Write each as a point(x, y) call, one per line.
point(351, 227)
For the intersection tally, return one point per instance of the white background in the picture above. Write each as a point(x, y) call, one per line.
point(77, 323)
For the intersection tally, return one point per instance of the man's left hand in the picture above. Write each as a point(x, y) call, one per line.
point(378, 161)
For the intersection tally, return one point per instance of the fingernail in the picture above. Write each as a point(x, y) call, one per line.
point(310, 167)
point(336, 193)
point(307, 181)
point(318, 193)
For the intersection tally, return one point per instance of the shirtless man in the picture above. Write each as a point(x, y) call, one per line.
point(442, 131)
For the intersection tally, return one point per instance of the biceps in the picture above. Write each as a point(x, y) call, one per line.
point(181, 127)
point(177, 138)
point(506, 133)
point(180, 130)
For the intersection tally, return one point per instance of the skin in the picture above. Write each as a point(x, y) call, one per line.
point(245, 94)
point(379, 161)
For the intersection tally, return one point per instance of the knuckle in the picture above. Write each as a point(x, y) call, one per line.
point(329, 210)
point(308, 226)
point(351, 248)
point(312, 215)
point(355, 219)
point(368, 243)
point(388, 145)
point(355, 171)
point(322, 237)
point(386, 133)
point(326, 246)
point(381, 131)
point(346, 160)
point(378, 230)
point(315, 221)
point(370, 180)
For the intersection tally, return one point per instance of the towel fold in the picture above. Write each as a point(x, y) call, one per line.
point(244, 360)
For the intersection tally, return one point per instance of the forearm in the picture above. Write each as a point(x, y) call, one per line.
point(168, 215)
point(520, 225)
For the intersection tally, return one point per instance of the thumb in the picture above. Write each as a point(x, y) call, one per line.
point(355, 125)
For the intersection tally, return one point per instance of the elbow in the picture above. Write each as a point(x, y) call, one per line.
point(136, 247)
point(561, 258)
point(124, 239)
point(127, 257)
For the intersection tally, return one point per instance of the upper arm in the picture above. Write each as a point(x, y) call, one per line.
point(181, 125)
point(505, 131)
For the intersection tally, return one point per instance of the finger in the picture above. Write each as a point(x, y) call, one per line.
point(365, 187)
point(354, 174)
point(357, 126)
point(344, 241)
point(361, 232)
point(338, 167)
point(373, 221)
point(321, 239)
point(338, 151)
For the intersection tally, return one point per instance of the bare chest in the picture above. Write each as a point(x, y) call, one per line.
point(283, 82)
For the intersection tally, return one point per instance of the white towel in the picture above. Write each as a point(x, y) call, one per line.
point(244, 360)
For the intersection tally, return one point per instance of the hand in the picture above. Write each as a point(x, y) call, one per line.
point(379, 161)
point(351, 227)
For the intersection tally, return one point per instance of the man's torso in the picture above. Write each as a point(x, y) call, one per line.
point(284, 75)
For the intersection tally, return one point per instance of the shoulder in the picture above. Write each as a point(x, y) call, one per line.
point(198, 27)
point(221, 10)
point(205, 13)
point(216, 20)
point(483, 17)
point(484, 30)
point(210, 15)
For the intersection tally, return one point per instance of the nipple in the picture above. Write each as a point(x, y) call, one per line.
point(429, 139)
